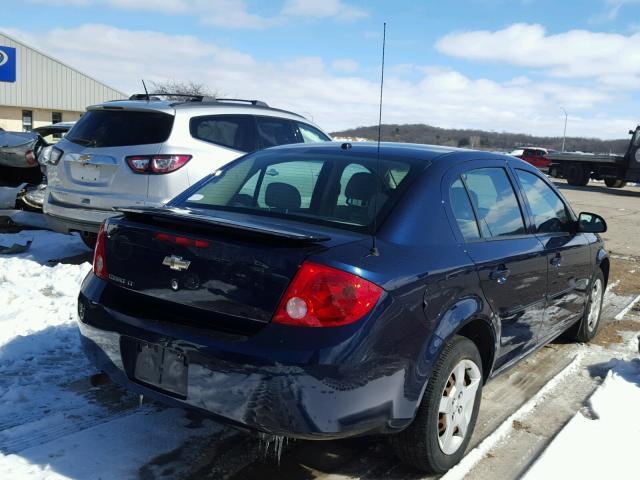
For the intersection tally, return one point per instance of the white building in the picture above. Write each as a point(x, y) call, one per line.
point(37, 90)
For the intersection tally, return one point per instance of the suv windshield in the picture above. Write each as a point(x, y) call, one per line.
point(109, 128)
point(330, 189)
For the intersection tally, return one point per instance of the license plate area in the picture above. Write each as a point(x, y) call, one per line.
point(85, 172)
point(160, 367)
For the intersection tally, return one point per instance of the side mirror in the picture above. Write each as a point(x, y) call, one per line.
point(591, 223)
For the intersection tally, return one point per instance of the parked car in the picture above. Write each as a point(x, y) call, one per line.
point(145, 151)
point(323, 291)
point(20, 152)
point(533, 155)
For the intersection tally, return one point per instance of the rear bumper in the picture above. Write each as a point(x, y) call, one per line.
point(268, 382)
point(64, 219)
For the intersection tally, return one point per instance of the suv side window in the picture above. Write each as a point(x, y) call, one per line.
point(276, 131)
point(232, 131)
point(463, 211)
point(310, 134)
point(549, 211)
point(494, 202)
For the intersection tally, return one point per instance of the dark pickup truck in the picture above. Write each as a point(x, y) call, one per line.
point(615, 170)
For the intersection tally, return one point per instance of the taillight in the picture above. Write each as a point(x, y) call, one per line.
point(55, 156)
point(321, 296)
point(30, 157)
point(183, 241)
point(138, 164)
point(99, 254)
point(156, 164)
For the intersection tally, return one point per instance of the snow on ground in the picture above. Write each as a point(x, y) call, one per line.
point(605, 442)
point(52, 424)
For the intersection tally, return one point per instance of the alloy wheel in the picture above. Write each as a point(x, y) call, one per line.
point(456, 405)
point(596, 303)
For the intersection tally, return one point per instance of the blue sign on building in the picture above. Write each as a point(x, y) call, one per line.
point(7, 64)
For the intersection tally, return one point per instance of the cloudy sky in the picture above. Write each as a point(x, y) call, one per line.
point(491, 64)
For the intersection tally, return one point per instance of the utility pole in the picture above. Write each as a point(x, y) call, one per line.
point(564, 136)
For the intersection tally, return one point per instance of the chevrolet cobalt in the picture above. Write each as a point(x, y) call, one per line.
point(333, 290)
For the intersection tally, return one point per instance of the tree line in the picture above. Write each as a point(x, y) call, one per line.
point(480, 139)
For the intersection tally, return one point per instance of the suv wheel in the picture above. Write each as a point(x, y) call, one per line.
point(588, 326)
point(89, 239)
point(440, 432)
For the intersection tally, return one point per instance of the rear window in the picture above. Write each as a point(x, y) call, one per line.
point(109, 128)
point(318, 188)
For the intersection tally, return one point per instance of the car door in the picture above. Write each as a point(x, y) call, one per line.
point(511, 263)
point(567, 252)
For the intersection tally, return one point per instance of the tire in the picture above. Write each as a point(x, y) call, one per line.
point(423, 444)
point(588, 327)
point(89, 239)
point(577, 175)
point(614, 182)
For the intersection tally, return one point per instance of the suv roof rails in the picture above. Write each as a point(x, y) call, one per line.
point(196, 98)
point(257, 103)
point(156, 96)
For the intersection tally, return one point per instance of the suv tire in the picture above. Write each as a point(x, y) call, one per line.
point(423, 444)
point(89, 239)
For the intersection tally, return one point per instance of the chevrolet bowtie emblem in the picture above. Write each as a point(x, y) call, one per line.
point(176, 263)
point(84, 159)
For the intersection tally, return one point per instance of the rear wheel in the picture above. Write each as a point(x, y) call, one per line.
point(439, 434)
point(588, 326)
point(614, 182)
point(89, 239)
point(577, 175)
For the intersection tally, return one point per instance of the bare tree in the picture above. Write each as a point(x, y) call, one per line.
point(182, 88)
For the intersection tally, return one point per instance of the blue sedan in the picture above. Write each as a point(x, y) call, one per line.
point(333, 290)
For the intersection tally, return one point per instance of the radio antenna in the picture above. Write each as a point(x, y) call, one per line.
point(146, 92)
point(374, 249)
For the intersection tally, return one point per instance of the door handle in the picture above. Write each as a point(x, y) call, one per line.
point(556, 261)
point(500, 274)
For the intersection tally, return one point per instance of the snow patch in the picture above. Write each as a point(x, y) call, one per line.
point(612, 435)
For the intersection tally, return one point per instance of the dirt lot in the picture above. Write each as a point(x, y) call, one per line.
point(522, 410)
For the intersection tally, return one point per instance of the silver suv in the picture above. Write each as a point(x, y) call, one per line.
point(144, 151)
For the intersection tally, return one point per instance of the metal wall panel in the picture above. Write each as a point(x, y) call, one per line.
point(43, 82)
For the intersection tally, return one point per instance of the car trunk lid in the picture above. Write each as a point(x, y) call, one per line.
point(233, 268)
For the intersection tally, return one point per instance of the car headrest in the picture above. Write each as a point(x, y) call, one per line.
point(361, 186)
point(282, 195)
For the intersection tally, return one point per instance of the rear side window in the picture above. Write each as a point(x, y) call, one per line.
point(310, 134)
point(232, 131)
point(276, 131)
point(549, 212)
point(317, 188)
point(463, 211)
point(495, 202)
point(120, 128)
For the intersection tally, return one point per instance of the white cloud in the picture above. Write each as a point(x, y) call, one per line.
point(433, 95)
point(229, 13)
point(615, 6)
point(345, 65)
point(611, 58)
point(322, 9)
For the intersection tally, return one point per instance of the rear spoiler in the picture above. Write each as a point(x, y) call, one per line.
point(188, 216)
